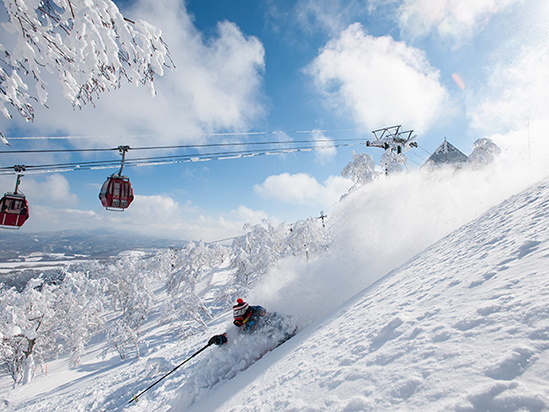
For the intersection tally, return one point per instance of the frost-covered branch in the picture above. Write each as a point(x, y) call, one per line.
point(87, 43)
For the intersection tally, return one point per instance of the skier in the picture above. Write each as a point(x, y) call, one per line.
point(247, 318)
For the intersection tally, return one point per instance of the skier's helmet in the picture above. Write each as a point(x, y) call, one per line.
point(240, 309)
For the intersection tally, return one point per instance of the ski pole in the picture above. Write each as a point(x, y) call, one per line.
point(134, 398)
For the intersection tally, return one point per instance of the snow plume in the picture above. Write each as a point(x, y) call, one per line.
point(515, 79)
point(224, 363)
point(380, 226)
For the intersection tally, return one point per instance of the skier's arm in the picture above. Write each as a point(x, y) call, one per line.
point(218, 339)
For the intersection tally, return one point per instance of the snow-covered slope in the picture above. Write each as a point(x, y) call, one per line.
point(463, 326)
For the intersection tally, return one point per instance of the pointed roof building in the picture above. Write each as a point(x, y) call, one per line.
point(446, 155)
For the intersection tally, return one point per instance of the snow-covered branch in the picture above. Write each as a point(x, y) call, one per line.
point(87, 43)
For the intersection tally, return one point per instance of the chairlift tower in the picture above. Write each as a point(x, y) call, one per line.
point(393, 140)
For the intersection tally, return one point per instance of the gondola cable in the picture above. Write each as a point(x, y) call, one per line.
point(159, 160)
point(172, 147)
point(69, 137)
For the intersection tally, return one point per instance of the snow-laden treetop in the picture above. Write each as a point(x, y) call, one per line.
point(88, 43)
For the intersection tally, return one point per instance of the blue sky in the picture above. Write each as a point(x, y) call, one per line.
point(460, 69)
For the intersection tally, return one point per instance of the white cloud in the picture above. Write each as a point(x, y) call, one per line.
point(324, 152)
point(157, 216)
point(162, 216)
point(454, 20)
point(380, 81)
point(46, 218)
point(302, 188)
point(155, 210)
point(49, 189)
point(245, 214)
point(328, 15)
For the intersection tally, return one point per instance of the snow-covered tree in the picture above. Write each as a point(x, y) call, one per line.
point(393, 162)
point(261, 246)
point(56, 315)
point(79, 309)
point(308, 235)
point(131, 295)
point(188, 266)
point(264, 245)
point(361, 170)
point(45, 320)
point(24, 322)
point(88, 44)
point(190, 262)
point(485, 151)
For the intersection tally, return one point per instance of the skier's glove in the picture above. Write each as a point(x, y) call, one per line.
point(218, 339)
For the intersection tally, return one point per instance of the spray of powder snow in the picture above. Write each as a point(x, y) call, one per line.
point(224, 362)
point(382, 225)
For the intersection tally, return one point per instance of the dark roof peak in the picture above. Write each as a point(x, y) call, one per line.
point(446, 154)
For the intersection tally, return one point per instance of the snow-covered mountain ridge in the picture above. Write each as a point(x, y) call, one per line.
point(94, 244)
point(463, 326)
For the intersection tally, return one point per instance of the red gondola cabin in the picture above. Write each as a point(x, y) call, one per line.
point(14, 210)
point(116, 193)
